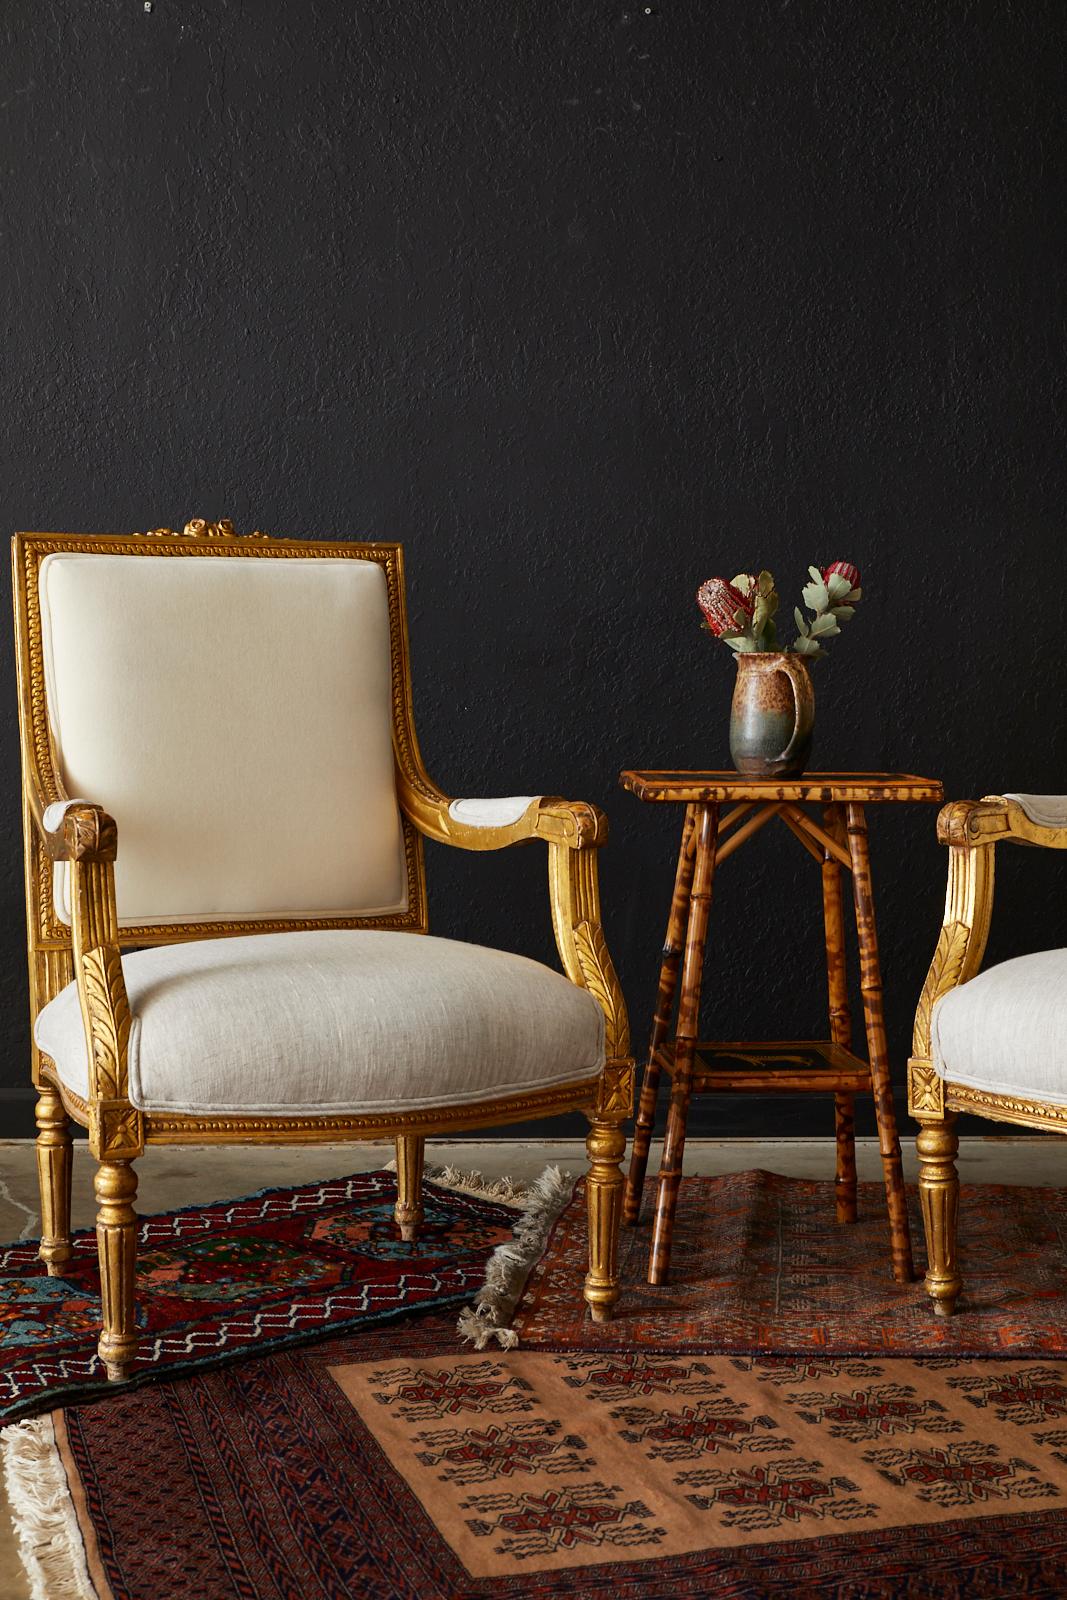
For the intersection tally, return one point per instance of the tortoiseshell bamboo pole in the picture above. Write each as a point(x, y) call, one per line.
point(840, 1020)
point(877, 1048)
point(668, 983)
point(706, 819)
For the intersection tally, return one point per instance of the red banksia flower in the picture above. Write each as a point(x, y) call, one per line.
point(843, 569)
point(721, 603)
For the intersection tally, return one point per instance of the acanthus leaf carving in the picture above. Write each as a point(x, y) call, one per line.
point(90, 833)
point(944, 974)
point(600, 979)
point(109, 1021)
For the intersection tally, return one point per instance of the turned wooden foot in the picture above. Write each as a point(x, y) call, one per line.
point(54, 1159)
point(410, 1154)
point(116, 1236)
point(606, 1145)
point(939, 1191)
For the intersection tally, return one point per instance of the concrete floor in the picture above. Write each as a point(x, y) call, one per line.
point(176, 1177)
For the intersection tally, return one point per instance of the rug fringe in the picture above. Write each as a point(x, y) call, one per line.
point(50, 1541)
point(510, 1265)
point(503, 1190)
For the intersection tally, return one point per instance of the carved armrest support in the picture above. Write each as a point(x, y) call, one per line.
point(74, 830)
point(116, 1128)
point(966, 826)
point(583, 952)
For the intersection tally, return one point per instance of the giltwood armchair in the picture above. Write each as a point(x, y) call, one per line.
point(236, 712)
point(994, 1042)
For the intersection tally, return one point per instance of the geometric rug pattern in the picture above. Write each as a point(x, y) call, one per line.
point(760, 1264)
point(391, 1466)
point(220, 1281)
point(660, 1455)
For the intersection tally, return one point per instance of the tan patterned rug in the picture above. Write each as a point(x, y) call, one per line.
point(389, 1466)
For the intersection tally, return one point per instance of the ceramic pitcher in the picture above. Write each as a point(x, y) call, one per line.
point(772, 715)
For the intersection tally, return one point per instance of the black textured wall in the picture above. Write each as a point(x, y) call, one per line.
point(584, 302)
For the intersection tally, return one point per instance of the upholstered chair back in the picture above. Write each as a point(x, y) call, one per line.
point(235, 716)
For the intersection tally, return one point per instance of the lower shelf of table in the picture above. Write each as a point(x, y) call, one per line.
point(781, 1066)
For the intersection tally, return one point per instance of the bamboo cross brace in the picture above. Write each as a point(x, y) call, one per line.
point(809, 844)
point(802, 820)
point(747, 829)
point(734, 815)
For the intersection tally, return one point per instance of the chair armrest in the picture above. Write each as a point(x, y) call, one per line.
point(1036, 819)
point(74, 830)
point(572, 831)
point(971, 829)
point(483, 824)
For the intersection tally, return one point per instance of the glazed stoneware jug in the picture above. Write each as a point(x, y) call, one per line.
point(772, 715)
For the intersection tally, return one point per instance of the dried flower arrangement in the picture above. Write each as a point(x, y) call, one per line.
point(741, 613)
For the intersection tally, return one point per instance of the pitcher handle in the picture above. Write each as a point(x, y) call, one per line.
point(804, 700)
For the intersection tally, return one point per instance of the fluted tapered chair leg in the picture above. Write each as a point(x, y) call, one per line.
point(606, 1145)
point(410, 1154)
point(54, 1162)
point(939, 1191)
point(116, 1237)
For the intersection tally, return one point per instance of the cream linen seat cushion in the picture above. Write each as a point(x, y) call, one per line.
point(329, 1022)
point(1006, 1030)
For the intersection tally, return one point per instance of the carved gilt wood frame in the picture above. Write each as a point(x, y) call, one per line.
point(90, 949)
point(971, 829)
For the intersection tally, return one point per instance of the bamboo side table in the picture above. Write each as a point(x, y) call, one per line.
point(695, 1066)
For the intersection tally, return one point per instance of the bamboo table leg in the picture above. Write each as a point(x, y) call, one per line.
point(877, 1049)
point(706, 825)
point(668, 982)
point(840, 1018)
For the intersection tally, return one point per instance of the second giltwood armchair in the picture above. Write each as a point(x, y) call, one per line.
point(237, 714)
point(993, 1043)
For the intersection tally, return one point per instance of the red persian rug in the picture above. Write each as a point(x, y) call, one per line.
point(390, 1465)
point(760, 1265)
point(241, 1277)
